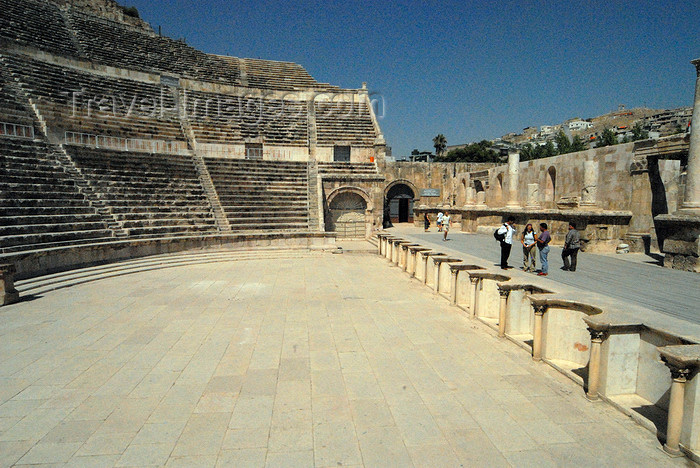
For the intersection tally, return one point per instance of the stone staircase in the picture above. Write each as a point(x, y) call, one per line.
point(262, 195)
point(315, 199)
point(349, 171)
point(210, 191)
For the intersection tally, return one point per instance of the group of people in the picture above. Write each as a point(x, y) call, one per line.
point(529, 239)
point(443, 223)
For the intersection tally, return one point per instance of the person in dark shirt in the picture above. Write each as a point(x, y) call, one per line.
point(543, 240)
point(572, 243)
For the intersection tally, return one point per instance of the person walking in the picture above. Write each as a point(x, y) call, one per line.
point(572, 243)
point(543, 240)
point(529, 239)
point(439, 221)
point(445, 225)
point(426, 221)
point(506, 232)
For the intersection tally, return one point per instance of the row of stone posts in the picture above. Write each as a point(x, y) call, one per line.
point(445, 276)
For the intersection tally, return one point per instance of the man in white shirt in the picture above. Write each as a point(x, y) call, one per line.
point(507, 243)
point(439, 221)
point(446, 225)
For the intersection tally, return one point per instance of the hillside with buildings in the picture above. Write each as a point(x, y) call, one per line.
point(657, 122)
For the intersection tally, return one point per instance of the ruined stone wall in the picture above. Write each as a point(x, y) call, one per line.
point(595, 180)
point(451, 178)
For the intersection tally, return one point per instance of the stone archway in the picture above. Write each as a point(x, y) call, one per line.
point(398, 203)
point(347, 213)
point(550, 186)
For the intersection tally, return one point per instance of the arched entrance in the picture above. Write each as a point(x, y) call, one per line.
point(347, 215)
point(550, 188)
point(398, 203)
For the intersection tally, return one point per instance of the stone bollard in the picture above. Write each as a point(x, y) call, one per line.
point(8, 293)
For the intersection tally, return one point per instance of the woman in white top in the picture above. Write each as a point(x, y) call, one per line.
point(529, 240)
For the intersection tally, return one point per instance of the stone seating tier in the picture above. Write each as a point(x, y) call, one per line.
point(13, 109)
point(149, 194)
point(38, 24)
point(40, 205)
point(118, 45)
point(48, 84)
point(265, 195)
point(345, 122)
point(277, 121)
point(269, 74)
point(347, 169)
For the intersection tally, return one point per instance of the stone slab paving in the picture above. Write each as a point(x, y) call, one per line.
point(337, 360)
point(671, 292)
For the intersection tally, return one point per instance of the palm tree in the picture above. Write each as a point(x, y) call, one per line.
point(440, 143)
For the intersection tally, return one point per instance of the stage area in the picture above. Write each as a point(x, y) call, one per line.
point(311, 359)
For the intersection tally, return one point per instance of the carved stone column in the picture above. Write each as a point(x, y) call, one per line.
point(675, 409)
point(533, 195)
point(597, 338)
point(453, 293)
point(426, 258)
point(504, 293)
point(537, 333)
point(8, 293)
point(436, 275)
point(691, 201)
point(513, 180)
point(589, 194)
point(481, 198)
point(470, 197)
point(475, 298)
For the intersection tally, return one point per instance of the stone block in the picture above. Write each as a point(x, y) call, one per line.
point(682, 247)
point(8, 293)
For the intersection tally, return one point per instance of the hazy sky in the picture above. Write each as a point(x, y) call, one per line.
point(469, 70)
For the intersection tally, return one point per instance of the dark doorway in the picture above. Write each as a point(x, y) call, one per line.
point(403, 210)
point(398, 206)
point(341, 153)
point(253, 151)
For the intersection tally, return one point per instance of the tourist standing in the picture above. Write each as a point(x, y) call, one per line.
point(528, 240)
point(439, 221)
point(543, 241)
point(426, 221)
point(506, 231)
point(445, 225)
point(572, 243)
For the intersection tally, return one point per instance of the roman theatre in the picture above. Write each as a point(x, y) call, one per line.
point(198, 267)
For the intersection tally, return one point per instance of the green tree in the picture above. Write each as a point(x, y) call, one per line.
point(440, 143)
point(607, 138)
point(563, 143)
point(473, 152)
point(638, 133)
point(549, 149)
point(527, 152)
point(577, 144)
